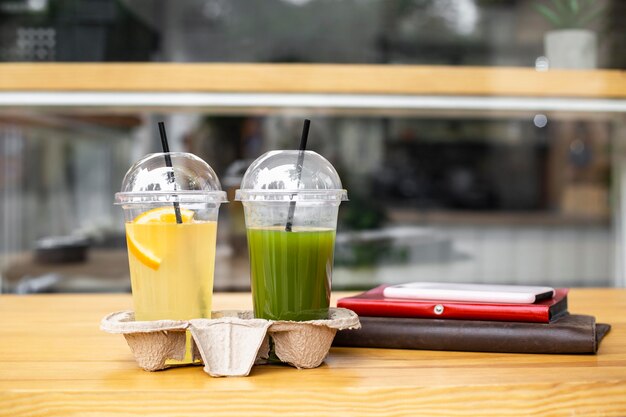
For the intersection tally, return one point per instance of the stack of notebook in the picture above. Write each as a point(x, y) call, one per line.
point(541, 327)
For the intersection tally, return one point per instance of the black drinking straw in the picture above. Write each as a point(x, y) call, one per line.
point(292, 204)
point(168, 162)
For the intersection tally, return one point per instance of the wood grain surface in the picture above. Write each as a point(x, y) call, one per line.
point(54, 361)
point(312, 78)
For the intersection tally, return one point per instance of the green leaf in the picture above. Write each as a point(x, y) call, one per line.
point(549, 14)
point(586, 20)
point(574, 6)
point(560, 6)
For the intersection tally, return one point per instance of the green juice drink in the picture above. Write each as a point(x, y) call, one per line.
point(291, 200)
point(291, 272)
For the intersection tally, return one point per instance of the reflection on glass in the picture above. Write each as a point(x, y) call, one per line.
point(450, 32)
point(448, 198)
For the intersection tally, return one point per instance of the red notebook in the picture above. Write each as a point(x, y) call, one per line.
point(373, 303)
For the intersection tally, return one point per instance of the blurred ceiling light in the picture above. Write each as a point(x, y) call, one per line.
point(297, 2)
point(37, 5)
point(24, 6)
point(542, 63)
point(540, 120)
point(215, 10)
point(459, 15)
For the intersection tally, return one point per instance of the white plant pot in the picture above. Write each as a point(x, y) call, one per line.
point(571, 48)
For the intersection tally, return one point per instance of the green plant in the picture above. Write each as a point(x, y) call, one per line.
point(570, 14)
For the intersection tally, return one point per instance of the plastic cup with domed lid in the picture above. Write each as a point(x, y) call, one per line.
point(291, 218)
point(171, 202)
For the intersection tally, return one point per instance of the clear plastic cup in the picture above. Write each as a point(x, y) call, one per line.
point(291, 266)
point(171, 225)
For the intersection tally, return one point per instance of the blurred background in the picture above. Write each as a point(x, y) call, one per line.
point(522, 189)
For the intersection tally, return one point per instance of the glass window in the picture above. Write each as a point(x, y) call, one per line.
point(479, 170)
point(498, 199)
point(451, 32)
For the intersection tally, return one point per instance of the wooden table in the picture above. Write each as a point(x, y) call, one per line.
point(54, 361)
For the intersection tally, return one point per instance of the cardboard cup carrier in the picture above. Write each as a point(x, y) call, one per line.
point(231, 341)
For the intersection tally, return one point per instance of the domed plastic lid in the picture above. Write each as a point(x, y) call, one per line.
point(274, 177)
point(188, 180)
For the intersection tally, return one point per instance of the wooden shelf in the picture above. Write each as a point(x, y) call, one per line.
point(311, 78)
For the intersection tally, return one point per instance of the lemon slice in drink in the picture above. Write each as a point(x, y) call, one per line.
point(164, 215)
point(144, 255)
point(158, 215)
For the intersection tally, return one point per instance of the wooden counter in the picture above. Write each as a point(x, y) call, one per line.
point(54, 361)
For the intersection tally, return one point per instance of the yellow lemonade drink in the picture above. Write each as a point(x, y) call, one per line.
point(171, 265)
point(182, 286)
point(171, 202)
